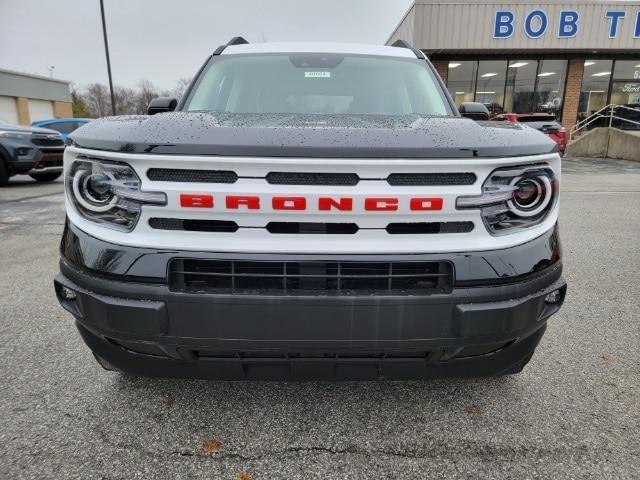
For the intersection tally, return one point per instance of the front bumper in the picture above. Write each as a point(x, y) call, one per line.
point(25, 157)
point(483, 327)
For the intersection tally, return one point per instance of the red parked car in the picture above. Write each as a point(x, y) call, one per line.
point(545, 122)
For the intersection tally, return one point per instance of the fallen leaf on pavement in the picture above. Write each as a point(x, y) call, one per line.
point(212, 446)
point(607, 358)
point(473, 409)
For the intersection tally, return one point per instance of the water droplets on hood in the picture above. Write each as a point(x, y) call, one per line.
point(362, 135)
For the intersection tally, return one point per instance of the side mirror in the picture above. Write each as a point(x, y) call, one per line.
point(474, 110)
point(162, 104)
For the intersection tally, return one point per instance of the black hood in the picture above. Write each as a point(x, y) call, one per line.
point(329, 136)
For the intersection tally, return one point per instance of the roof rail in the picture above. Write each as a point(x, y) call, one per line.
point(404, 44)
point(233, 41)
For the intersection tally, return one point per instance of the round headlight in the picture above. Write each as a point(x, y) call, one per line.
point(93, 190)
point(98, 187)
point(108, 192)
point(531, 195)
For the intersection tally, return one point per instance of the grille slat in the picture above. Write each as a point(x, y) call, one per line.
point(312, 228)
point(189, 225)
point(431, 179)
point(311, 178)
point(45, 139)
point(241, 277)
point(191, 176)
point(301, 178)
point(424, 228)
point(309, 228)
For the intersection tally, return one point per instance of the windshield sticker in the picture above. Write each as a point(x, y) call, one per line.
point(317, 74)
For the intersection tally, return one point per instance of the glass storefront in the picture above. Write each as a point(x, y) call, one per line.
point(524, 85)
point(462, 81)
point(550, 87)
point(521, 83)
point(625, 87)
point(514, 86)
point(490, 85)
point(595, 86)
point(607, 82)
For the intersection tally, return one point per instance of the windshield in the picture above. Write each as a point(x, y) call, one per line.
point(318, 84)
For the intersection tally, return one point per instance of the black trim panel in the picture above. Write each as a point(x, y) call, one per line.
point(472, 268)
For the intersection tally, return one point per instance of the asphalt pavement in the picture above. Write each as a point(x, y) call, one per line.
point(573, 413)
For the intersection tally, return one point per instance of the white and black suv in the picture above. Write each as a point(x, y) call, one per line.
point(311, 211)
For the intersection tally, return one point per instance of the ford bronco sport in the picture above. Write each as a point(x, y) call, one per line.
point(311, 211)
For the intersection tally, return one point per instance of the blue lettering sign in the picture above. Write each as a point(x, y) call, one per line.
point(503, 25)
point(637, 32)
point(528, 23)
point(614, 16)
point(568, 24)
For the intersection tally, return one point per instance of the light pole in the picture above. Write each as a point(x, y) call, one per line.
point(106, 51)
point(50, 68)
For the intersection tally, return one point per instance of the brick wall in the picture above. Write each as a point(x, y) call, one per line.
point(442, 67)
point(575, 69)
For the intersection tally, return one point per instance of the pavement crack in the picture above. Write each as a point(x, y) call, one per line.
point(33, 197)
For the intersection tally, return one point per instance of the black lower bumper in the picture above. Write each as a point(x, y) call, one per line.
point(147, 329)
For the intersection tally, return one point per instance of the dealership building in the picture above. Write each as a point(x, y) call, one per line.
point(26, 98)
point(566, 57)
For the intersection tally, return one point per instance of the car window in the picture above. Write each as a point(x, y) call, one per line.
point(63, 127)
point(318, 84)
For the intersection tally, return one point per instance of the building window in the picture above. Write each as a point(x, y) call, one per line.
point(461, 81)
point(520, 88)
point(490, 85)
point(595, 86)
point(550, 87)
point(625, 86)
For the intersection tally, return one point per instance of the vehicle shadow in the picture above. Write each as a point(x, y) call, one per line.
point(24, 181)
point(255, 419)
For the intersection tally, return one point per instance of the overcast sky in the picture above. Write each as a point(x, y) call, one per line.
point(164, 40)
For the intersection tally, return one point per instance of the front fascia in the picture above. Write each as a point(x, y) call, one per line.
point(252, 237)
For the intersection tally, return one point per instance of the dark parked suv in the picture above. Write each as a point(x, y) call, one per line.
point(311, 211)
point(30, 150)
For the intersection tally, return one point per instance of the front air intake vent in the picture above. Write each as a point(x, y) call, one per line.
point(191, 176)
point(312, 228)
point(429, 228)
point(242, 277)
point(299, 178)
point(190, 225)
point(431, 179)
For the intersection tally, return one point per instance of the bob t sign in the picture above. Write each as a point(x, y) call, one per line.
point(537, 23)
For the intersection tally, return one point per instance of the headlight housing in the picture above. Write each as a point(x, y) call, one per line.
point(15, 135)
point(108, 193)
point(514, 198)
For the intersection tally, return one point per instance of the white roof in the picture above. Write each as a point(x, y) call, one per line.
point(319, 47)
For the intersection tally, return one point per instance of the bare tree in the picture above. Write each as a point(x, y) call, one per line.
point(97, 101)
point(126, 100)
point(78, 104)
point(180, 87)
point(146, 92)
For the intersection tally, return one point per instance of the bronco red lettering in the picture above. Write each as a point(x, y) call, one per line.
point(289, 203)
point(427, 203)
point(196, 200)
point(343, 203)
point(234, 202)
point(381, 204)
